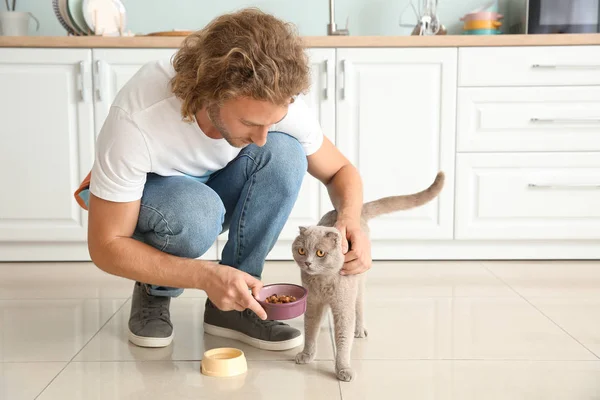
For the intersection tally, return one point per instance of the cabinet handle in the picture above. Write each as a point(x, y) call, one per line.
point(81, 81)
point(344, 79)
point(564, 66)
point(326, 89)
point(565, 120)
point(98, 83)
point(565, 186)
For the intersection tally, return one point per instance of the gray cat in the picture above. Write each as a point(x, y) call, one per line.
point(318, 252)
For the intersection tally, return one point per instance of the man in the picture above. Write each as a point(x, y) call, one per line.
point(217, 139)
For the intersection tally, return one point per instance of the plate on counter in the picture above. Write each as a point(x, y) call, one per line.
point(61, 20)
point(105, 17)
point(75, 9)
point(64, 13)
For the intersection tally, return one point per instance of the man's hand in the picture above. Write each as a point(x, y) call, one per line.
point(344, 186)
point(227, 288)
point(355, 246)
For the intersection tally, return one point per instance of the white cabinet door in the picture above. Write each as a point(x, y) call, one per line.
point(112, 69)
point(529, 66)
point(46, 150)
point(521, 119)
point(519, 196)
point(396, 123)
point(313, 200)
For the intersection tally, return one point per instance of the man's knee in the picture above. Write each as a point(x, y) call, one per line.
point(199, 224)
point(187, 222)
point(287, 162)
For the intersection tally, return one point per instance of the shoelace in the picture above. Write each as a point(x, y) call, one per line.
point(255, 319)
point(155, 310)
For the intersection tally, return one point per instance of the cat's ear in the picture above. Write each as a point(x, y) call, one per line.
point(302, 229)
point(333, 235)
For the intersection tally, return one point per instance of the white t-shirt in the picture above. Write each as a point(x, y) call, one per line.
point(144, 132)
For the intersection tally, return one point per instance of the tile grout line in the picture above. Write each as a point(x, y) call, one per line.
point(251, 360)
point(82, 347)
point(482, 264)
point(321, 360)
point(541, 312)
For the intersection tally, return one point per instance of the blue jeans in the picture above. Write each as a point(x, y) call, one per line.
point(252, 197)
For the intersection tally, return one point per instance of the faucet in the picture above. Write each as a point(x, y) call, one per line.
point(331, 27)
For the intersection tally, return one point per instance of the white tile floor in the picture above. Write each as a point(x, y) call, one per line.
point(437, 330)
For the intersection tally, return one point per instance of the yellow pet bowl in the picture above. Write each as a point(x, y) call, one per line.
point(224, 362)
point(482, 24)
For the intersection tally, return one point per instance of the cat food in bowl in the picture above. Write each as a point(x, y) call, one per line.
point(280, 299)
point(283, 301)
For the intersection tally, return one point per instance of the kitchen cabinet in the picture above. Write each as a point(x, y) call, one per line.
point(395, 122)
point(522, 119)
point(519, 149)
point(47, 131)
point(529, 66)
point(528, 196)
point(527, 175)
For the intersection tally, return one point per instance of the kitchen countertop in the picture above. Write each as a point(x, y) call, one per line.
point(313, 41)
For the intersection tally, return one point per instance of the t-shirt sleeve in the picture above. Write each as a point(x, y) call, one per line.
point(122, 159)
point(301, 123)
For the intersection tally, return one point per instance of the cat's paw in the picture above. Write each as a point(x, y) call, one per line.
point(304, 358)
point(361, 333)
point(345, 374)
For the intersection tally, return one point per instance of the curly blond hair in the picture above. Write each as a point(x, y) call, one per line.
point(246, 53)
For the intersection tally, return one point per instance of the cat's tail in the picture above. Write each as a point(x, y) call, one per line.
point(391, 204)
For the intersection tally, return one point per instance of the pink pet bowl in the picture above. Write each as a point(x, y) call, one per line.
point(286, 310)
point(482, 16)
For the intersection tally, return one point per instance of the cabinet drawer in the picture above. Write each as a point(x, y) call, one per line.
point(528, 119)
point(529, 66)
point(528, 196)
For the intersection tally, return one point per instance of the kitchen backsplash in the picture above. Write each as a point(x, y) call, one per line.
point(366, 17)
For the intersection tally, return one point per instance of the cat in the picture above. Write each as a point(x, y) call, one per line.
point(317, 250)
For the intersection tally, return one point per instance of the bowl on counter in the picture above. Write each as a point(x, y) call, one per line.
point(482, 16)
point(481, 24)
point(483, 32)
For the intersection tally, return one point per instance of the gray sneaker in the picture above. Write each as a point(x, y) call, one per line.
point(149, 322)
point(247, 327)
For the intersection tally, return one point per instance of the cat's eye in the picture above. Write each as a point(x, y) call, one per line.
point(320, 253)
point(301, 251)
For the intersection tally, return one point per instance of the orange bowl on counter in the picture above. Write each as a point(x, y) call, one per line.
point(481, 24)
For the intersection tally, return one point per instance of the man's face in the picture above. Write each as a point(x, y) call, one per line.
point(243, 121)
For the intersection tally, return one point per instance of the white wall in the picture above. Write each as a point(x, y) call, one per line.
point(367, 17)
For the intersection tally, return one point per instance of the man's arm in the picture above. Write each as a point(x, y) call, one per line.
point(113, 250)
point(341, 178)
point(345, 189)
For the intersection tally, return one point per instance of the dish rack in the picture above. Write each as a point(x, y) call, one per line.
point(91, 17)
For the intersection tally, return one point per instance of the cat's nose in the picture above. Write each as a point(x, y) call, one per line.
point(307, 263)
